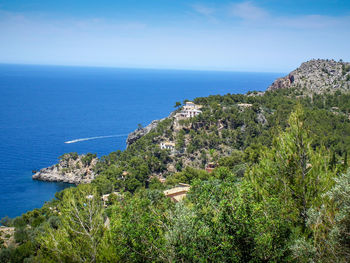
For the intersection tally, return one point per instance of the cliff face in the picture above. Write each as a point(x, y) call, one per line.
point(140, 132)
point(72, 168)
point(317, 76)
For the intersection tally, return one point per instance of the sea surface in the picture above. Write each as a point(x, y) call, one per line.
point(42, 107)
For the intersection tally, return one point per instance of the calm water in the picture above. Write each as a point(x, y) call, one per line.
point(41, 107)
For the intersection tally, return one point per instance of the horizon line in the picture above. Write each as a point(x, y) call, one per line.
point(140, 68)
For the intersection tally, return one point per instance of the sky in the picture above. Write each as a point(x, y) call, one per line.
point(259, 36)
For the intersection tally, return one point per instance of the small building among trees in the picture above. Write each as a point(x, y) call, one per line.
point(177, 193)
point(167, 146)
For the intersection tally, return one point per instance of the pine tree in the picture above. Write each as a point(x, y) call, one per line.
point(292, 170)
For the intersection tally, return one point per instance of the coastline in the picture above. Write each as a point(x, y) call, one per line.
point(70, 105)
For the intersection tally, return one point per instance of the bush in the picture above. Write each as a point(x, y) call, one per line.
point(19, 222)
point(21, 235)
point(103, 185)
point(87, 159)
point(6, 221)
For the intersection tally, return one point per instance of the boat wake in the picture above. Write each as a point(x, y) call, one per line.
point(95, 138)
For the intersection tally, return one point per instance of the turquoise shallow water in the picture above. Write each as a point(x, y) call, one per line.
point(41, 107)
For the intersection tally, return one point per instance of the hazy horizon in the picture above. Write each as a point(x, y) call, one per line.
point(138, 68)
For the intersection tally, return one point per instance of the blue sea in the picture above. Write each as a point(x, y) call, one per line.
point(41, 107)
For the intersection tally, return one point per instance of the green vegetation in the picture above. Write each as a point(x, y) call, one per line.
point(67, 156)
point(87, 159)
point(280, 191)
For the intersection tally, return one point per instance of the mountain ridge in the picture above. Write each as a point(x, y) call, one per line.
point(316, 75)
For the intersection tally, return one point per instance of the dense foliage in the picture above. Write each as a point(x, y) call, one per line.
point(280, 191)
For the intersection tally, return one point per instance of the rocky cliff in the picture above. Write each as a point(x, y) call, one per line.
point(138, 133)
point(72, 168)
point(317, 76)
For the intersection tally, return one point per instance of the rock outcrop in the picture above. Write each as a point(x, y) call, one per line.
point(317, 76)
point(138, 133)
point(72, 168)
point(7, 236)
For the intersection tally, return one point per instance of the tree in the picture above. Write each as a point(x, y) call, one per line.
point(81, 231)
point(345, 165)
point(103, 185)
point(177, 104)
point(138, 225)
point(329, 223)
point(222, 222)
point(292, 171)
point(87, 159)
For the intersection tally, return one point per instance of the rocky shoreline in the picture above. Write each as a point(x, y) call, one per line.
point(72, 168)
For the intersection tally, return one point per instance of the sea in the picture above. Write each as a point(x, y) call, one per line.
point(42, 107)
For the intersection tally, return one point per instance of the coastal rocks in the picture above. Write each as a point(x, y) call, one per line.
point(316, 76)
point(72, 168)
point(7, 236)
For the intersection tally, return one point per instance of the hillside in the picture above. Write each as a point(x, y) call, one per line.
point(264, 178)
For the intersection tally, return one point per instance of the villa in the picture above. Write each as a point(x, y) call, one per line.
point(189, 110)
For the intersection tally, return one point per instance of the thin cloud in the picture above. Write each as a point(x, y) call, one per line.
point(313, 22)
point(250, 14)
point(10, 20)
point(248, 11)
point(203, 10)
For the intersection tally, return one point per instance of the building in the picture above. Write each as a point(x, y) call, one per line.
point(167, 146)
point(190, 113)
point(178, 193)
point(189, 110)
point(244, 105)
point(190, 104)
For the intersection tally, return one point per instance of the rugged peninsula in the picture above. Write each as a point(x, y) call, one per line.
point(71, 168)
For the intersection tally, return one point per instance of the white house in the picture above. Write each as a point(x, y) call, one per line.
point(167, 146)
point(190, 113)
point(189, 110)
point(244, 105)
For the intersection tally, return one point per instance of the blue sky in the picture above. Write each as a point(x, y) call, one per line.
point(265, 35)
